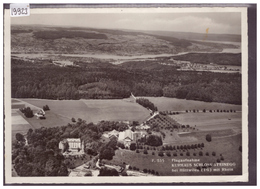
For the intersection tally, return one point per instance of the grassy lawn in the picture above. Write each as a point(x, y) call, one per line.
point(164, 104)
point(223, 147)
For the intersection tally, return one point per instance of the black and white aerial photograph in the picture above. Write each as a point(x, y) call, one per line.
point(127, 94)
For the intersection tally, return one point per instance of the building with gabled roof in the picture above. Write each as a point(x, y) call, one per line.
point(113, 133)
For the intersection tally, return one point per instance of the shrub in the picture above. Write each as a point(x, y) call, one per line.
point(73, 120)
point(208, 137)
point(46, 108)
point(214, 153)
point(168, 154)
point(194, 154)
point(160, 153)
point(200, 153)
point(187, 153)
point(137, 151)
point(218, 160)
point(145, 152)
point(153, 153)
point(207, 154)
point(133, 146)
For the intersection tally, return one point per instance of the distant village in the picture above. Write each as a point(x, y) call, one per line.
point(187, 65)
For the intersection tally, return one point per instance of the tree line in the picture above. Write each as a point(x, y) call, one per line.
point(147, 104)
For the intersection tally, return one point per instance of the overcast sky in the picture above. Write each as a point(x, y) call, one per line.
point(220, 23)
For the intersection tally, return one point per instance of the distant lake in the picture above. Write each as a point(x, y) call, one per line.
point(116, 57)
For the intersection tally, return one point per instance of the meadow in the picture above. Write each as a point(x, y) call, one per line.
point(19, 124)
point(92, 110)
point(211, 121)
point(174, 104)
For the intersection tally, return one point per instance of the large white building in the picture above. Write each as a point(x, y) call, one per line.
point(75, 145)
point(128, 136)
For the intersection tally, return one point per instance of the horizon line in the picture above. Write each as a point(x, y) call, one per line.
point(140, 30)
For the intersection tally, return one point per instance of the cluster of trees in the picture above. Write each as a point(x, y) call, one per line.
point(27, 112)
point(108, 150)
point(45, 80)
point(104, 171)
point(153, 140)
point(159, 122)
point(112, 125)
point(39, 157)
point(147, 104)
point(42, 157)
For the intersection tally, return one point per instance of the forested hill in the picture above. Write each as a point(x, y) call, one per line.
point(94, 81)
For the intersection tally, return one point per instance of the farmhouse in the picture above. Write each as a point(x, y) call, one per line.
point(74, 145)
point(63, 63)
point(40, 114)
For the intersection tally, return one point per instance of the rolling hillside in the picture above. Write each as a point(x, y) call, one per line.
point(71, 40)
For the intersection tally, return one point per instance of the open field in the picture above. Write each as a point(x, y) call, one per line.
point(52, 120)
point(175, 138)
point(227, 147)
point(174, 104)
point(19, 124)
point(211, 121)
point(94, 110)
